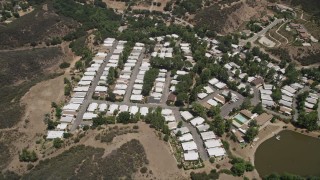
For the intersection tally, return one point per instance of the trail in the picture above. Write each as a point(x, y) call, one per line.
point(281, 34)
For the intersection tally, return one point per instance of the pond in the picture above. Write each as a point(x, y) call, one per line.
point(294, 153)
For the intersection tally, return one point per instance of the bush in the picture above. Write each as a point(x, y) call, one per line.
point(166, 138)
point(28, 156)
point(30, 166)
point(143, 170)
point(64, 65)
point(212, 159)
point(57, 143)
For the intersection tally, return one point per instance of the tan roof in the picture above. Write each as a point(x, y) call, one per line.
point(172, 97)
point(263, 118)
point(246, 113)
point(257, 81)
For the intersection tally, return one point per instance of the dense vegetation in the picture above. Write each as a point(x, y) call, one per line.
point(148, 81)
point(26, 67)
point(310, 58)
point(311, 6)
point(213, 18)
point(87, 163)
point(29, 29)
point(90, 16)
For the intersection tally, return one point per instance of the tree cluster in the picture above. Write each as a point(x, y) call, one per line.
point(28, 156)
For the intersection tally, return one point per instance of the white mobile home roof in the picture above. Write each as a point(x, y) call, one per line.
point(84, 83)
point(202, 95)
point(267, 103)
point(213, 81)
point(133, 109)
point(66, 119)
point(136, 97)
point(92, 107)
point(166, 112)
point(264, 91)
point(266, 97)
point(208, 135)
point(62, 126)
point(79, 94)
point(71, 106)
point(188, 146)
point(186, 115)
point(212, 102)
point(112, 108)
point(101, 89)
point(172, 125)
point(89, 116)
point(191, 156)
point(170, 118)
point(123, 108)
point(213, 143)
point(81, 89)
point(136, 92)
point(309, 105)
point(287, 93)
point(287, 98)
point(183, 130)
point(76, 100)
point(220, 85)
point(288, 88)
point(90, 73)
point(55, 134)
point(203, 127)
point(144, 111)
point(197, 121)
point(216, 152)
point(186, 137)
point(119, 92)
point(102, 107)
point(208, 89)
point(311, 100)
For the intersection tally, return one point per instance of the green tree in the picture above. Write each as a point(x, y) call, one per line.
point(258, 108)
point(251, 133)
point(238, 169)
point(28, 156)
point(57, 143)
point(276, 94)
point(124, 117)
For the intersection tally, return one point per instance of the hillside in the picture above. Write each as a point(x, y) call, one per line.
point(39, 26)
point(225, 19)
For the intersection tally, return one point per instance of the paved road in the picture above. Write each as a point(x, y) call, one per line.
point(166, 89)
point(134, 74)
point(262, 32)
point(256, 97)
point(226, 108)
point(196, 136)
point(94, 84)
point(276, 113)
point(135, 104)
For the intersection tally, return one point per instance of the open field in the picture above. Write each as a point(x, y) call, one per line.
point(30, 28)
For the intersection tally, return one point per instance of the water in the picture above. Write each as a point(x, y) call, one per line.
point(295, 153)
point(241, 118)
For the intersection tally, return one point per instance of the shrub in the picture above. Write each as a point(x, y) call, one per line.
point(30, 166)
point(64, 65)
point(143, 170)
point(28, 156)
point(212, 159)
point(166, 138)
point(57, 143)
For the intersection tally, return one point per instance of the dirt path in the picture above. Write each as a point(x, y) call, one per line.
point(287, 41)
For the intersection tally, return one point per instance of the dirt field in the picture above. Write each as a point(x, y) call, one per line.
point(145, 6)
point(161, 161)
point(120, 6)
